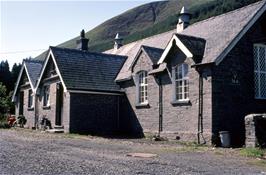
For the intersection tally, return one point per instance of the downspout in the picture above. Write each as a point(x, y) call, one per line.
point(200, 110)
point(118, 113)
point(160, 107)
point(36, 111)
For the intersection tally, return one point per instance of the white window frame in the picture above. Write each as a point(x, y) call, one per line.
point(30, 98)
point(46, 96)
point(184, 83)
point(142, 88)
point(258, 86)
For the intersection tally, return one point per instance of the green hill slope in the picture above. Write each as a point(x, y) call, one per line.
point(152, 18)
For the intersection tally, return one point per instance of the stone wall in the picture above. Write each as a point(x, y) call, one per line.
point(47, 111)
point(27, 112)
point(255, 130)
point(178, 119)
point(233, 86)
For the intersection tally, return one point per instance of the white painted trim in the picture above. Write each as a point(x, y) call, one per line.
point(136, 58)
point(18, 80)
point(43, 68)
point(221, 57)
point(56, 68)
point(166, 51)
point(179, 44)
point(93, 92)
point(141, 50)
point(31, 85)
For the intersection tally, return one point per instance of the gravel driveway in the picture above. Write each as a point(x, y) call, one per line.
point(32, 152)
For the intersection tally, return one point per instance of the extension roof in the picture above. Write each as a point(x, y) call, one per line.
point(83, 70)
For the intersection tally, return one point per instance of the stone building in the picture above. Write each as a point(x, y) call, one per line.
point(188, 83)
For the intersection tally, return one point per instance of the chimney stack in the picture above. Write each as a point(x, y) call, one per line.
point(118, 42)
point(82, 43)
point(184, 20)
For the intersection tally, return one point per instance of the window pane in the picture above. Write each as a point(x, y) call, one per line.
point(256, 81)
point(185, 67)
point(262, 58)
point(143, 87)
point(182, 82)
point(263, 85)
point(255, 51)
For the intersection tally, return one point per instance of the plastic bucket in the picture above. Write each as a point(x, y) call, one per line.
point(225, 139)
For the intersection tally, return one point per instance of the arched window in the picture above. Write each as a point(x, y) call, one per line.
point(142, 87)
point(181, 82)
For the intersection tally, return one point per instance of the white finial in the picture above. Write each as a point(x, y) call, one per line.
point(117, 36)
point(118, 42)
point(184, 19)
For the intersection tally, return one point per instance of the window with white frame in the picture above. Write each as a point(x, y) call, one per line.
point(260, 71)
point(181, 82)
point(30, 99)
point(46, 95)
point(142, 88)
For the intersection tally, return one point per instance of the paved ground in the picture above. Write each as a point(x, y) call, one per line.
point(28, 152)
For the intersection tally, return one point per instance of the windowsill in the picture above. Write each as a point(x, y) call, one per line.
point(181, 102)
point(142, 105)
point(46, 107)
point(260, 98)
point(30, 108)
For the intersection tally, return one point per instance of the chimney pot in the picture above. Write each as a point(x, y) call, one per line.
point(82, 43)
point(118, 42)
point(184, 20)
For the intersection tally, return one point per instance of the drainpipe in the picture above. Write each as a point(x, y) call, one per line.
point(35, 111)
point(200, 110)
point(160, 107)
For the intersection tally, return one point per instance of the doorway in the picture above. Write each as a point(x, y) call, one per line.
point(59, 104)
point(21, 102)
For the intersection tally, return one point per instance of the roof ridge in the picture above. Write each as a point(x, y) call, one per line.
point(32, 61)
point(151, 47)
point(229, 12)
point(184, 35)
point(153, 36)
point(88, 52)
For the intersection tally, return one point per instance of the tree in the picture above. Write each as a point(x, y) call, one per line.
point(5, 101)
point(5, 75)
point(14, 73)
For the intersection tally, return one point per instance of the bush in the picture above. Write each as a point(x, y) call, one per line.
point(22, 121)
point(3, 122)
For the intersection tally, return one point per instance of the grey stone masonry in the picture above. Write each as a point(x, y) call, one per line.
point(253, 134)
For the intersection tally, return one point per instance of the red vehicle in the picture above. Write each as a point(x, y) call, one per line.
point(12, 120)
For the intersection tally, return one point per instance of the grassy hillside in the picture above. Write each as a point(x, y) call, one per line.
point(151, 19)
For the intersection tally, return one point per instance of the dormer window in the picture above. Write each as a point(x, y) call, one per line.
point(142, 87)
point(181, 82)
point(260, 71)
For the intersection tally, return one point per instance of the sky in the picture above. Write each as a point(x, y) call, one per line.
point(29, 27)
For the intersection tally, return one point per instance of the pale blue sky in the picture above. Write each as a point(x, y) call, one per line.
point(29, 27)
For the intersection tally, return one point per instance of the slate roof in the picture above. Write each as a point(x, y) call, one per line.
point(130, 50)
point(194, 44)
point(153, 53)
point(218, 32)
point(83, 70)
point(34, 69)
